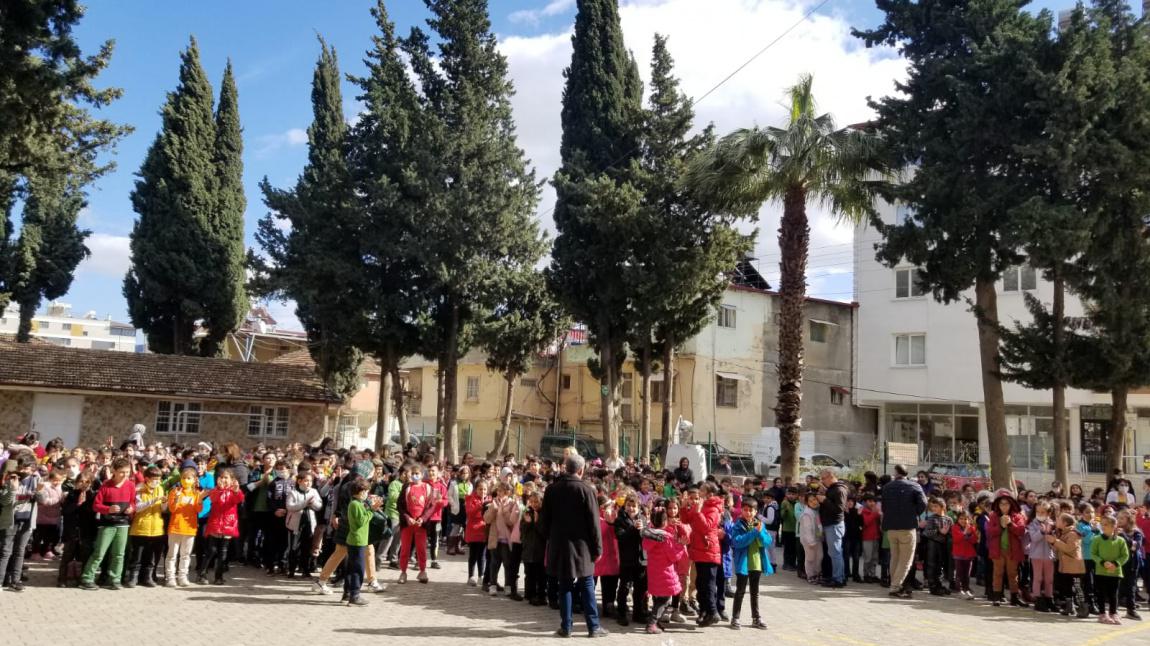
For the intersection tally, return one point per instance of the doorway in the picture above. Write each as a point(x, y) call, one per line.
point(58, 416)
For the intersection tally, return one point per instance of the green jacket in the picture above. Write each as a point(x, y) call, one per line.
point(787, 508)
point(1104, 549)
point(358, 523)
point(391, 507)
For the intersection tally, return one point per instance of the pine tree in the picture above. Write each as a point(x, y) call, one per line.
point(476, 218)
point(597, 204)
point(959, 120)
point(315, 260)
point(226, 302)
point(50, 246)
point(169, 283)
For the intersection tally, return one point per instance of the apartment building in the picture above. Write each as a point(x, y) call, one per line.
point(59, 326)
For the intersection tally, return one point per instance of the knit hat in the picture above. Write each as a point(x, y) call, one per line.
point(189, 464)
point(364, 468)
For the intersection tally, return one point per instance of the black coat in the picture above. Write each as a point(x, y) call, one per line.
point(902, 502)
point(570, 522)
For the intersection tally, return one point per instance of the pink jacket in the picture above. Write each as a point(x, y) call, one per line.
point(608, 563)
point(663, 558)
point(683, 566)
point(507, 521)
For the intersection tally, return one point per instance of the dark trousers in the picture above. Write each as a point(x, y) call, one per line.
point(534, 581)
point(659, 607)
point(962, 574)
point(432, 528)
point(707, 581)
point(789, 552)
point(1065, 584)
point(509, 555)
point(476, 560)
point(935, 562)
point(494, 560)
point(633, 581)
point(13, 543)
point(800, 559)
point(299, 558)
point(76, 550)
point(45, 538)
point(275, 543)
point(144, 553)
point(217, 551)
point(852, 553)
point(1088, 593)
point(1128, 589)
point(585, 588)
point(1106, 587)
point(608, 590)
point(353, 570)
point(255, 536)
point(741, 581)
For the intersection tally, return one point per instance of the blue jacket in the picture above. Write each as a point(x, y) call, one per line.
point(741, 537)
point(725, 548)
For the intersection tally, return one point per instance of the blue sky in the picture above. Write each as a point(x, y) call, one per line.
point(272, 44)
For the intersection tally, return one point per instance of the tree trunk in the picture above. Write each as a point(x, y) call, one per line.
point(608, 386)
point(440, 401)
point(384, 410)
point(1061, 432)
point(1001, 464)
point(1117, 445)
point(794, 242)
point(668, 396)
point(24, 331)
point(645, 415)
point(450, 451)
point(397, 397)
point(500, 447)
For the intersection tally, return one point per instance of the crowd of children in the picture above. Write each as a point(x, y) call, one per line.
point(136, 515)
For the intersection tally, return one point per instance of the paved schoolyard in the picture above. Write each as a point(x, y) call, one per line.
point(253, 608)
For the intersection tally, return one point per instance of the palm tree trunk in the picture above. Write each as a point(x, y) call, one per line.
point(1061, 434)
point(668, 387)
point(986, 300)
point(1117, 445)
point(794, 242)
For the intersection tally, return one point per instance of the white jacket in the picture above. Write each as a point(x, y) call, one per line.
point(299, 503)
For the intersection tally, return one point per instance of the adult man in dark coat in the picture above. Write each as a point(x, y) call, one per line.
point(902, 503)
point(570, 521)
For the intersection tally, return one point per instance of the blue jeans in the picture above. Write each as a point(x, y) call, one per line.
point(834, 539)
point(585, 588)
point(353, 571)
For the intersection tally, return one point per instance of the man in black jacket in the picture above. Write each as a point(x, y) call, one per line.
point(902, 503)
point(570, 521)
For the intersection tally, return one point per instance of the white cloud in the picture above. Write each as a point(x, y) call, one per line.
point(533, 16)
point(110, 256)
point(709, 40)
point(268, 144)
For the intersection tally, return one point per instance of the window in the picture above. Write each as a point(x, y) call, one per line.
point(566, 382)
point(57, 341)
point(726, 392)
point(908, 283)
point(727, 316)
point(819, 331)
point(910, 350)
point(122, 331)
point(103, 345)
point(528, 383)
point(473, 389)
point(1021, 278)
point(268, 421)
point(172, 418)
point(67, 327)
point(659, 390)
point(836, 396)
point(627, 386)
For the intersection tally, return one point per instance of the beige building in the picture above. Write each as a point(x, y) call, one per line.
point(86, 396)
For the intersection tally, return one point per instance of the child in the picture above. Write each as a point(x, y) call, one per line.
point(1109, 553)
point(79, 524)
point(146, 535)
point(629, 526)
point(705, 517)
point(1004, 531)
point(114, 506)
point(963, 550)
point(1041, 557)
point(223, 525)
point(301, 504)
point(607, 565)
point(811, 537)
point(507, 516)
point(935, 531)
point(1067, 546)
point(49, 501)
point(475, 533)
point(358, 521)
point(852, 539)
point(184, 502)
point(787, 528)
point(534, 549)
point(751, 543)
point(682, 532)
point(871, 537)
point(1129, 532)
point(415, 505)
point(1088, 529)
point(27, 483)
point(772, 520)
point(665, 548)
point(435, 517)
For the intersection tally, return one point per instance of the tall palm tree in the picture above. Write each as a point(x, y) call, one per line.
point(810, 160)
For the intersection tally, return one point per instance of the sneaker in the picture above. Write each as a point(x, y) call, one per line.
point(598, 632)
point(493, 592)
point(1133, 614)
point(393, 565)
point(471, 582)
point(435, 565)
point(115, 586)
point(677, 617)
point(148, 583)
point(88, 585)
point(758, 624)
point(357, 601)
point(423, 577)
point(16, 587)
point(735, 625)
point(403, 577)
point(170, 583)
point(183, 583)
point(1114, 620)
point(654, 629)
point(218, 581)
point(319, 587)
point(563, 633)
point(377, 586)
point(1102, 619)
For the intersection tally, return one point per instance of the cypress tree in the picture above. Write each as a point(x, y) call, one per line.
point(225, 300)
point(169, 283)
point(597, 204)
point(315, 259)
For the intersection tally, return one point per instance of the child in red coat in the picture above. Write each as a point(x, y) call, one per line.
point(705, 518)
point(1004, 531)
point(963, 551)
point(416, 504)
point(665, 548)
point(223, 525)
point(475, 532)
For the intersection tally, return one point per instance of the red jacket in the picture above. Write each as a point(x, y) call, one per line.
point(224, 519)
point(964, 545)
point(1016, 528)
point(476, 530)
point(872, 521)
point(704, 545)
point(441, 491)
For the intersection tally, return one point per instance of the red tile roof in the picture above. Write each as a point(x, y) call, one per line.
point(44, 366)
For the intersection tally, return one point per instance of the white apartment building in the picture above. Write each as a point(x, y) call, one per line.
point(60, 327)
point(918, 364)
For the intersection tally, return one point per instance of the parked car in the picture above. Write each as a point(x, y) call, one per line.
point(955, 476)
point(812, 463)
point(551, 446)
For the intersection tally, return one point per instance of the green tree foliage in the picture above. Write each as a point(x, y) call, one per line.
point(809, 159)
point(183, 208)
point(960, 119)
point(310, 240)
point(597, 208)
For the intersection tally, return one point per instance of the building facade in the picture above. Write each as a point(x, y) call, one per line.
point(917, 365)
point(58, 326)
